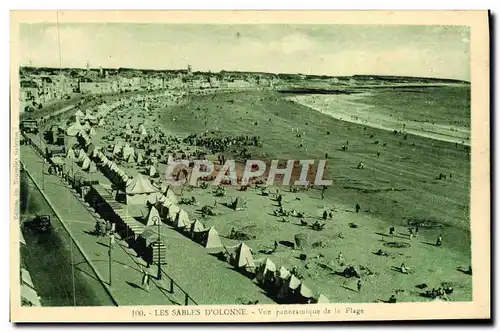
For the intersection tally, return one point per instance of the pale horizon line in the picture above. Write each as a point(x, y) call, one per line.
point(248, 71)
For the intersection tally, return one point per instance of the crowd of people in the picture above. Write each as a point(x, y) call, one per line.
point(217, 144)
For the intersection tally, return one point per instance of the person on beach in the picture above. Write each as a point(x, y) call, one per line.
point(323, 190)
point(411, 234)
point(439, 241)
point(340, 258)
point(145, 281)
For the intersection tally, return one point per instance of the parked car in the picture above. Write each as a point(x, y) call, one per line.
point(40, 224)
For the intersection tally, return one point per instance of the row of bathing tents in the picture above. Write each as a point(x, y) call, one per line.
point(90, 119)
point(82, 159)
point(136, 188)
point(286, 286)
point(128, 153)
point(282, 282)
point(164, 205)
point(141, 130)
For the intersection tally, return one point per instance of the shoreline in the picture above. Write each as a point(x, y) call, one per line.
point(360, 115)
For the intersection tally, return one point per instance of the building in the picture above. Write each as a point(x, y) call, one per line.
point(239, 83)
point(98, 86)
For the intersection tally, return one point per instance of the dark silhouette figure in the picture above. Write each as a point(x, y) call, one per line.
point(439, 241)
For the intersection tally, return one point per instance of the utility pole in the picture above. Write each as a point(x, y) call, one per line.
point(111, 243)
point(44, 153)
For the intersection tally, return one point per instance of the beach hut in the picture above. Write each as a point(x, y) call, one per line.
point(196, 229)
point(170, 195)
point(210, 238)
point(164, 206)
point(304, 294)
point(266, 271)
point(74, 129)
point(138, 189)
point(86, 163)
point(321, 299)
point(282, 275)
point(117, 149)
point(70, 154)
point(153, 217)
point(288, 288)
point(127, 150)
point(152, 171)
point(140, 159)
point(173, 210)
point(79, 114)
point(243, 257)
point(182, 220)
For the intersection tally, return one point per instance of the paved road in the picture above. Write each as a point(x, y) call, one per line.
point(59, 271)
point(126, 273)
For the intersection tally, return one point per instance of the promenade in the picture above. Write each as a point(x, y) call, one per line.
point(126, 272)
point(206, 279)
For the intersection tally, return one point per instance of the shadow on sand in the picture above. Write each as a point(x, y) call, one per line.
point(391, 236)
point(226, 204)
point(133, 285)
point(465, 271)
point(288, 244)
point(102, 244)
point(352, 290)
point(385, 301)
point(397, 269)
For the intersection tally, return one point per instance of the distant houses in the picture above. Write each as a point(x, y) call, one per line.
point(41, 85)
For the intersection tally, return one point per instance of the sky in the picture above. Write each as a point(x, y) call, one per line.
point(424, 51)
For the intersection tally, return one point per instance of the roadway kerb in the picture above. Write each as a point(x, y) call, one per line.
point(90, 241)
point(54, 209)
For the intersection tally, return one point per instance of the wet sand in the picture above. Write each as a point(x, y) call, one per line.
point(350, 108)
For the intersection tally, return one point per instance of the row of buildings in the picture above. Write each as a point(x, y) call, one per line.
point(40, 87)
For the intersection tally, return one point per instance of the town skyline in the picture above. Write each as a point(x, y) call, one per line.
point(411, 51)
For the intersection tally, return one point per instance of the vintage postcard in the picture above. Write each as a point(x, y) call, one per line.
point(239, 166)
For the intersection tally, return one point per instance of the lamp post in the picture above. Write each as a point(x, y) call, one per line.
point(157, 221)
